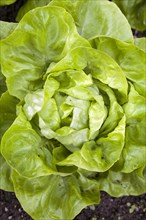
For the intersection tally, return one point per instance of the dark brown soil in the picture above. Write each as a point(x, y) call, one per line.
point(124, 208)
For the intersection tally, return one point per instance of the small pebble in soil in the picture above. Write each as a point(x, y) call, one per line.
point(128, 204)
point(94, 218)
point(92, 207)
point(6, 209)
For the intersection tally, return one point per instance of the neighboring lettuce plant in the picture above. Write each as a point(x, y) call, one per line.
point(135, 11)
point(73, 118)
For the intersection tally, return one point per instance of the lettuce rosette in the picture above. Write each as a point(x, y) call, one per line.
point(73, 118)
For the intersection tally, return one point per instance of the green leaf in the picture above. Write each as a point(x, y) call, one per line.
point(7, 112)
point(7, 116)
point(55, 197)
point(27, 53)
point(120, 184)
point(97, 115)
point(135, 11)
point(135, 143)
point(49, 114)
point(6, 29)
point(5, 175)
point(97, 18)
point(33, 103)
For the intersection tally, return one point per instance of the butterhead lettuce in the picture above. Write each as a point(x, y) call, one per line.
point(73, 118)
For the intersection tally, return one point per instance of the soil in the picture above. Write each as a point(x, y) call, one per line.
point(123, 208)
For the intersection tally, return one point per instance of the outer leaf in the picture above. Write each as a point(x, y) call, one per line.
point(118, 184)
point(135, 11)
point(135, 144)
point(5, 175)
point(7, 116)
point(6, 29)
point(96, 18)
point(27, 53)
point(130, 58)
point(55, 197)
point(7, 112)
